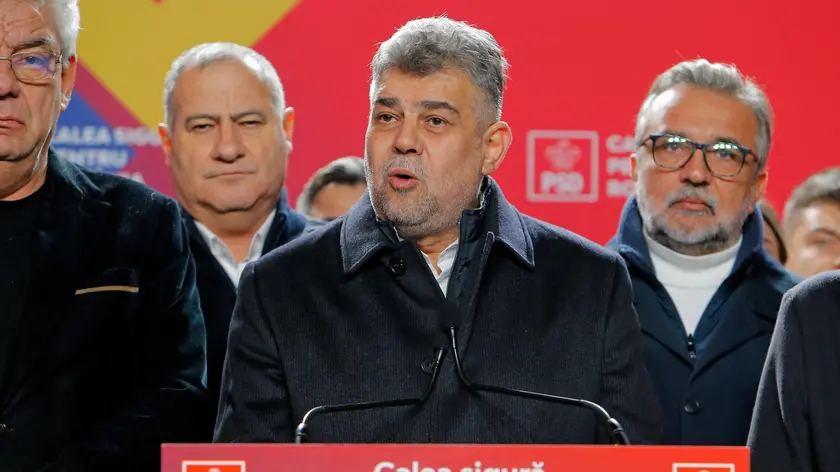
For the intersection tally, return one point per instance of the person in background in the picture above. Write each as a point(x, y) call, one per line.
point(436, 273)
point(812, 224)
point(227, 135)
point(774, 243)
point(333, 189)
point(101, 334)
point(794, 427)
point(705, 289)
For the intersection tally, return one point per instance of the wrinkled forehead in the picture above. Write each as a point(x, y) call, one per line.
point(26, 23)
point(449, 83)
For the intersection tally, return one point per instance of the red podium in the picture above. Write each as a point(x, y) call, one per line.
point(449, 458)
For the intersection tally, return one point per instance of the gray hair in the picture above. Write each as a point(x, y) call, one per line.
point(723, 78)
point(68, 21)
point(428, 45)
point(348, 170)
point(208, 53)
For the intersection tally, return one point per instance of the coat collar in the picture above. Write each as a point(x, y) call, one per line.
point(362, 234)
point(630, 241)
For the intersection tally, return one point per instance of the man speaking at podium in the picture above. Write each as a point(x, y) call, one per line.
point(434, 297)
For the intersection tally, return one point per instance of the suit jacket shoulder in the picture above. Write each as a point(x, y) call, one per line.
point(561, 243)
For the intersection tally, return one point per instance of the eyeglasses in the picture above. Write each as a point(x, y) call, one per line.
point(723, 159)
point(33, 67)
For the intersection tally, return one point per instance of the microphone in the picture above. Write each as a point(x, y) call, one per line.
point(614, 429)
point(302, 431)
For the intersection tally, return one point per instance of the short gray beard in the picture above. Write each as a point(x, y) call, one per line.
point(429, 215)
point(719, 237)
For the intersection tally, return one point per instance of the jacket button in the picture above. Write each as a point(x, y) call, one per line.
point(397, 266)
point(692, 407)
point(4, 429)
point(429, 365)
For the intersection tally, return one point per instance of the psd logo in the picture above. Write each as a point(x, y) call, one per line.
point(562, 166)
point(704, 468)
point(213, 466)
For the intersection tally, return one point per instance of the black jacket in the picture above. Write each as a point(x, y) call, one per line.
point(109, 351)
point(218, 294)
point(794, 427)
point(346, 314)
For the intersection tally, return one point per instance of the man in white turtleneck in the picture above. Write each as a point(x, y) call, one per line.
point(705, 289)
point(691, 281)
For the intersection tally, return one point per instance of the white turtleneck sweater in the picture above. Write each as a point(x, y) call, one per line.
point(691, 281)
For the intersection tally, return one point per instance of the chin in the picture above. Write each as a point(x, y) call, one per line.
point(233, 205)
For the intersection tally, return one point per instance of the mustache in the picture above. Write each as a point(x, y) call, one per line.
point(411, 164)
point(693, 192)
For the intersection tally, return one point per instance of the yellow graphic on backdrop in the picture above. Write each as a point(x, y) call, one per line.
point(129, 44)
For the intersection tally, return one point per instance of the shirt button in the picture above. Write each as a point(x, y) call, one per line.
point(397, 265)
point(692, 407)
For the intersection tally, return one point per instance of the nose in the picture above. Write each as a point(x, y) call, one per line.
point(408, 139)
point(695, 172)
point(229, 147)
point(9, 84)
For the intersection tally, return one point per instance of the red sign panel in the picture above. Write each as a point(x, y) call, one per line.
point(449, 458)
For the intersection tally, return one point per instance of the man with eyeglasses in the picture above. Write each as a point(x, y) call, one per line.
point(101, 334)
point(705, 289)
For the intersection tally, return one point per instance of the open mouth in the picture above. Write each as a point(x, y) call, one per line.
point(401, 178)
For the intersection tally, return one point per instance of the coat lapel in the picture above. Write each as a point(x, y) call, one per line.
point(658, 321)
point(66, 236)
point(739, 324)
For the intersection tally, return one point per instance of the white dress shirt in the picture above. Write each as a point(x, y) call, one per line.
point(222, 253)
point(446, 260)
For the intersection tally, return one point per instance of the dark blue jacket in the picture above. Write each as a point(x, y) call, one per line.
point(218, 294)
point(708, 390)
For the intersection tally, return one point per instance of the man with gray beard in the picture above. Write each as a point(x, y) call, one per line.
point(705, 289)
point(433, 289)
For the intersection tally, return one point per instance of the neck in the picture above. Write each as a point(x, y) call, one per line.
point(691, 263)
point(433, 245)
point(716, 244)
point(236, 229)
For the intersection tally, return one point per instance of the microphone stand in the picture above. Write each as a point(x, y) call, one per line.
point(302, 431)
point(614, 429)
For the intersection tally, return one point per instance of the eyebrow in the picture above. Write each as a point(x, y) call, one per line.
point(36, 42)
point(439, 105)
point(728, 139)
point(202, 116)
point(718, 139)
point(825, 231)
point(390, 102)
point(240, 115)
point(217, 118)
